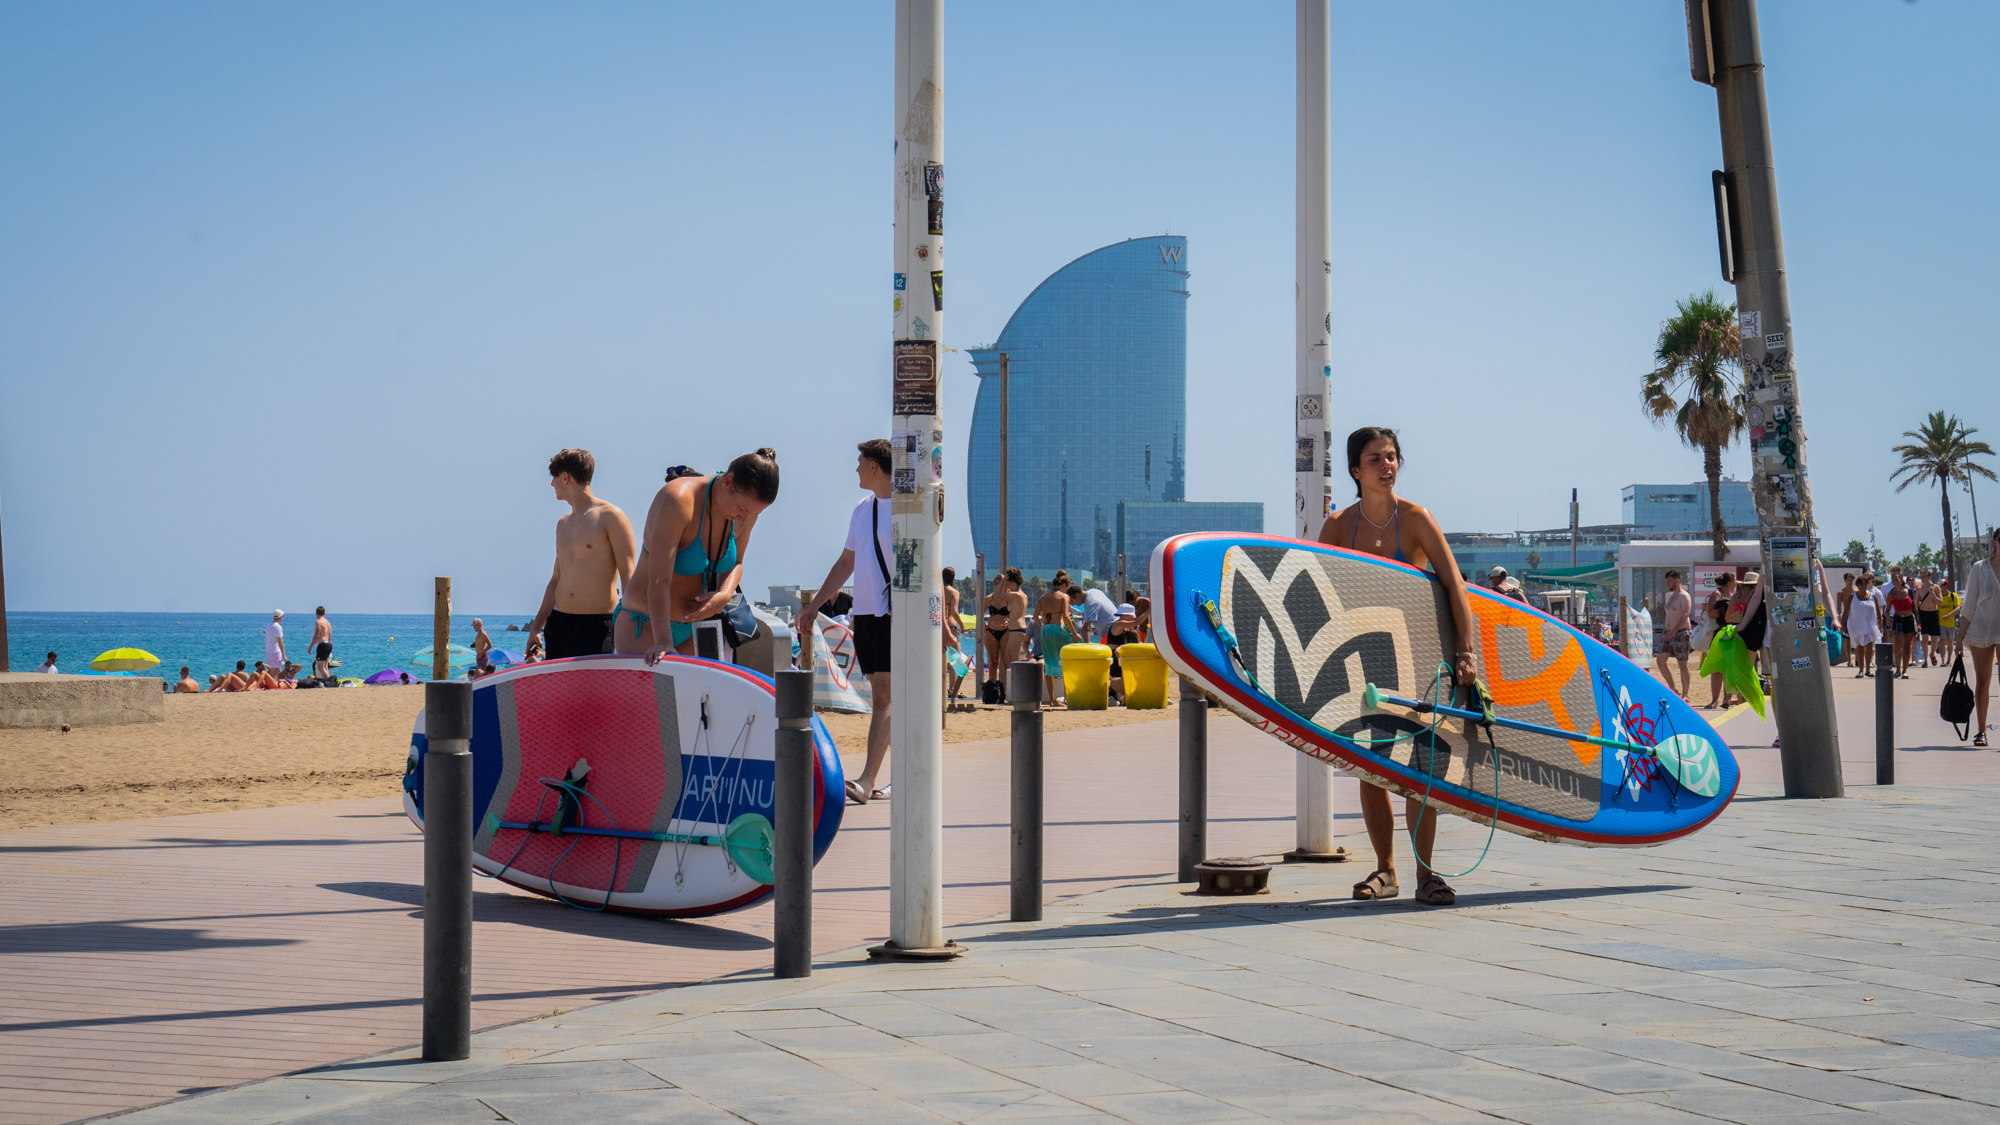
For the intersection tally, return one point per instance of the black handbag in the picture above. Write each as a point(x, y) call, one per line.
point(1955, 701)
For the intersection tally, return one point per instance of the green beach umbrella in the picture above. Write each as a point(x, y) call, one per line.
point(456, 656)
point(125, 660)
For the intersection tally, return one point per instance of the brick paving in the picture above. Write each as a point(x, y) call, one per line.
point(144, 960)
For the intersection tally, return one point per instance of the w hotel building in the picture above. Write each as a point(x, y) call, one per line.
point(1097, 375)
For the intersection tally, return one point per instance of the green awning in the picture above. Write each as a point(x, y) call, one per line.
point(1562, 575)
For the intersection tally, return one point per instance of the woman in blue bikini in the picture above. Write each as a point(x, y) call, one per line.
point(1382, 523)
point(698, 526)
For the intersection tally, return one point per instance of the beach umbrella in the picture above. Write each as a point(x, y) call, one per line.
point(456, 656)
point(502, 656)
point(390, 676)
point(125, 660)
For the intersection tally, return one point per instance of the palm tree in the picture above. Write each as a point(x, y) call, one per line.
point(1698, 386)
point(1942, 453)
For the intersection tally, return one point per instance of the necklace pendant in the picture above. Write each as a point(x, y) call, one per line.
point(1378, 542)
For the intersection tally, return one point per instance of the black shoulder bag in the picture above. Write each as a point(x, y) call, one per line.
point(875, 541)
point(1955, 701)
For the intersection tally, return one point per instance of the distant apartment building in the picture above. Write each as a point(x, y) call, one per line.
point(1680, 511)
point(1097, 402)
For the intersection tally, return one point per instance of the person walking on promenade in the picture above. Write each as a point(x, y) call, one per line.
point(1902, 621)
point(1948, 619)
point(1677, 634)
point(1978, 629)
point(1057, 630)
point(1864, 626)
point(1930, 629)
point(1382, 523)
point(865, 558)
point(1004, 633)
point(1716, 615)
point(594, 561)
point(953, 630)
point(1842, 601)
point(274, 640)
point(322, 644)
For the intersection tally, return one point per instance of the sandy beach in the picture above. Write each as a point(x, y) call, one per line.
point(262, 749)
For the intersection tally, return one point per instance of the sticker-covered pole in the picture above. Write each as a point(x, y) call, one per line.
point(1312, 479)
point(916, 582)
point(448, 834)
point(1724, 51)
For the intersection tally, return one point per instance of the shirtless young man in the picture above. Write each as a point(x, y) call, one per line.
point(1677, 639)
point(691, 560)
point(187, 686)
point(594, 558)
point(322, 644)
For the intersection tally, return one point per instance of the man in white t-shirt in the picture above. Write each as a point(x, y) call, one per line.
point(865, 558)
point(274, 640)
point(49, 665)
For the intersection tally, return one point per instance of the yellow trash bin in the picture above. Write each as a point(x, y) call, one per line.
point(1087, 676)
point(1145, 676)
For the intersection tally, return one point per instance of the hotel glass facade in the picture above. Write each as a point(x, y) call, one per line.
point(1097, 368)
point(1674, 511)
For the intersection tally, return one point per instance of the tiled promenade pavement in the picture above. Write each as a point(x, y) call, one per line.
point(1807, 960)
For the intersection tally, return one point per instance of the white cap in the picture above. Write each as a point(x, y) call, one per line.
point(1497, 572)
point(277, 613)
point(1125, 610)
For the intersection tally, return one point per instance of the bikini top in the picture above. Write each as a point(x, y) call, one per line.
point(1396, 529)
point(693, 558)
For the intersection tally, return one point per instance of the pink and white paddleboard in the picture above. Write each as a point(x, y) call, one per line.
point(612, 785)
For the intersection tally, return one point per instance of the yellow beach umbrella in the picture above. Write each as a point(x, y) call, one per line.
point(125, 660)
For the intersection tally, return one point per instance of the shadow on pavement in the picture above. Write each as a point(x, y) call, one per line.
point(116, 937)
point(521, 910)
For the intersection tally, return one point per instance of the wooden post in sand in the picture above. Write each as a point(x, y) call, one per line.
point(441, 631)
point(3, 613)
point(1624, 627)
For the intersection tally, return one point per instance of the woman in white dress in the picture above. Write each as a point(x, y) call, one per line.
point(1979, 629)
point(1864, 627)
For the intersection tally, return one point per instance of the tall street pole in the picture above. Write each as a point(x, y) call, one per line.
point(1723, 51)
point(916, 594)
point(1312, 264)
point(3, 611)
point(1005, 417)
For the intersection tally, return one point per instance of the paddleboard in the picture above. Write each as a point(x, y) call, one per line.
point(1315, 625)
point(683, 748)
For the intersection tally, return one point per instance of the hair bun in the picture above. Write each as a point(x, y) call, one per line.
point(767, 453)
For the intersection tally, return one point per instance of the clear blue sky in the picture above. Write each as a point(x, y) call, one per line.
point(296, 300)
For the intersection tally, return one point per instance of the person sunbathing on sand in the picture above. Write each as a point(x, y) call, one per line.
point(238, 680)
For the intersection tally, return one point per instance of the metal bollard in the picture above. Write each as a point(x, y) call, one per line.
point(447, 871)
point(1885, 714)
point(1024, 695)
point(1194, 780)
point(792, 835)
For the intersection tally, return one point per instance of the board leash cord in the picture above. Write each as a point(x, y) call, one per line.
point(1444, 672)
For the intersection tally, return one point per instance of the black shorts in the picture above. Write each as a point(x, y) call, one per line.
point(576, 634)
point(871, 642)
point(1904, 625)
point(1927, 623)
point(323, 651)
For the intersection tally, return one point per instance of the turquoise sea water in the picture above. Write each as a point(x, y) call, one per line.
point(364, 643)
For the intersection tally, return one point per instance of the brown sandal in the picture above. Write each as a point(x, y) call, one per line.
point(1381, 884)
point(1433, 891)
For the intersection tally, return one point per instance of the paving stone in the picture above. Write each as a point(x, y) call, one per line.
point(842, 1042)
point(265, 1103)
point(1083, 1080)
point(767, 1071)
point(997, 1049)
point(1819, 1085)
point(918, 1072)
point(609, 1107)
point(1280, 1029)
point(907, 1019)
point(1388, 1057)
point(867, 1107)
point(1862, 1056)
point(554, 1078)
point(1973, 1082)
point(429, 1106)
point(1170, 1106)
point(1493, 1088)
point(1931, 1111)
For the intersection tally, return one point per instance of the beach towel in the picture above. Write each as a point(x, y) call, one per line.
point(1728, 655)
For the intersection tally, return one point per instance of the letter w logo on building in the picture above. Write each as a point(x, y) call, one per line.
point(1171, 255)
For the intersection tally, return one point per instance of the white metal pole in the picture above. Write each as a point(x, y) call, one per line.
point(916, 651)
point(1312, 477)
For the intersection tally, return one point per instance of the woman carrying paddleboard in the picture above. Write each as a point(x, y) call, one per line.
point(691, 556)
point(1382, 523)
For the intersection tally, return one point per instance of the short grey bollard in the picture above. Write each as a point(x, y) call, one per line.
point(1885, 714)
point(1194, 780)
point(792, 835)
point(1024, 695)
point(447, 871)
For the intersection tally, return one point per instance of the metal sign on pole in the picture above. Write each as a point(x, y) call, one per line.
point(916, 583)
point(1312, 332)
point(1723, 51)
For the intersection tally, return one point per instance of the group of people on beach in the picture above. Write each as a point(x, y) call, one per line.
point(1067, 614)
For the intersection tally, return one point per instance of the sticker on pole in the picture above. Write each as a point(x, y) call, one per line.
point(913, 389)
